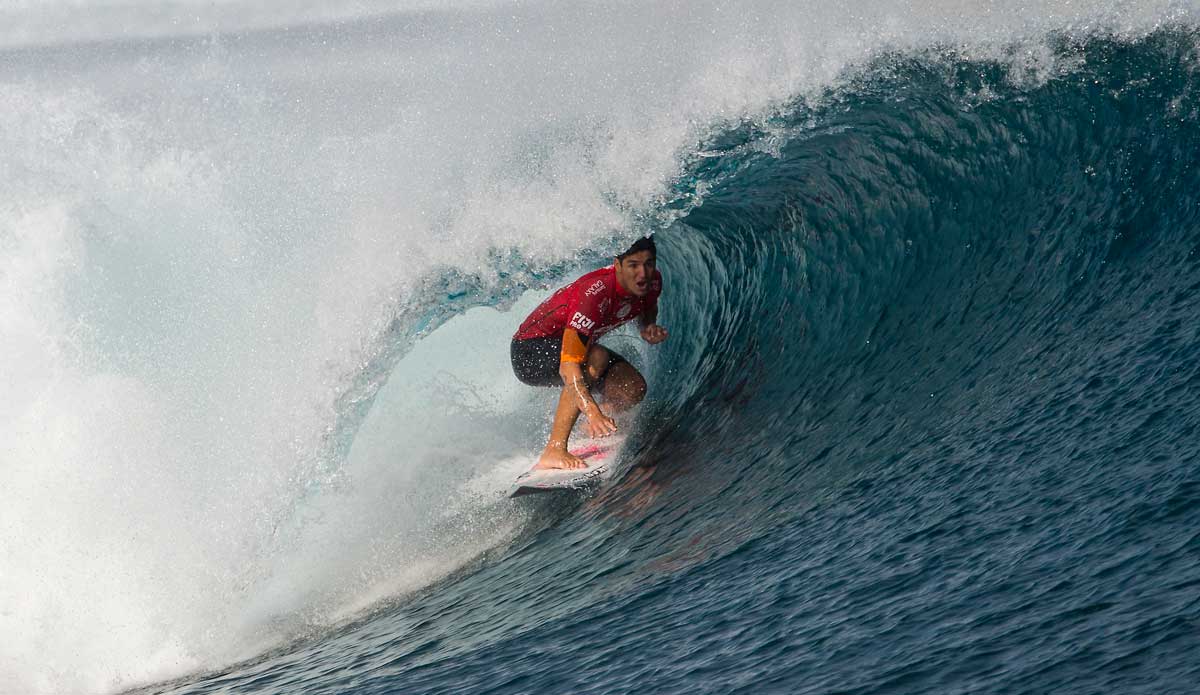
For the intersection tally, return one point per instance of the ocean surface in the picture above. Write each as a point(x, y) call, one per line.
point(926, 421)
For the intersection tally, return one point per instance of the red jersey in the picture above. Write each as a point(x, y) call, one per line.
point(592, 305)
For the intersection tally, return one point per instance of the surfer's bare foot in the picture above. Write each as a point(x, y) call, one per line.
point(557, 458)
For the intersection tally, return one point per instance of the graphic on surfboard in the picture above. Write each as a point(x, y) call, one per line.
point(597, 454)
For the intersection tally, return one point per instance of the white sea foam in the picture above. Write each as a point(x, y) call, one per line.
point(204, 239)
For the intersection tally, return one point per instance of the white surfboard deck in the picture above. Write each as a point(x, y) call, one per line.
point(598, 454)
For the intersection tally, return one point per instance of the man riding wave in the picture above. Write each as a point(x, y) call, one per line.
point(557, 344)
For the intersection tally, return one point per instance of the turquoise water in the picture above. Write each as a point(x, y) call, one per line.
point(926, 424)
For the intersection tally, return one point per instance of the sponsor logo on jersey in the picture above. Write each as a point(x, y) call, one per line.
point(581, 323)
point(623, 311)
point(596, 288)
point(604, 304)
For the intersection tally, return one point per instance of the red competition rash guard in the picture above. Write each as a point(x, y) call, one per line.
point(591, 306)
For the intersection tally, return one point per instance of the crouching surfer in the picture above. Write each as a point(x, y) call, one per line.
point(557, 344)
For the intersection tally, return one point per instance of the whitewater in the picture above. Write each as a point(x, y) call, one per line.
point(926, 421)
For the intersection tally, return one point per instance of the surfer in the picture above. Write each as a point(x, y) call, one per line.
point(557, 345)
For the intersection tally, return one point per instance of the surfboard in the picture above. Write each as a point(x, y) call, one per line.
point(597, 454)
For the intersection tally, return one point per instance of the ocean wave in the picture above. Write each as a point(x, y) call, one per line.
point(251, 278)
point(930, 365)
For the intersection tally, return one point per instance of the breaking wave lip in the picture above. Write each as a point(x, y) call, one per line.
point(925, 162)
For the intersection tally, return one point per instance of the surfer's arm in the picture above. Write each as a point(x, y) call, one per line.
point(651, 332)
point(570, 368)
point(575, 391)
point(576, 385)
point(572, 400)
point(576, 398)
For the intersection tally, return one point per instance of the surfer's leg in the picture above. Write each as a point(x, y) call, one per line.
point(624, 387)
point(555, 455)
point(595, 367)
point(609, 374)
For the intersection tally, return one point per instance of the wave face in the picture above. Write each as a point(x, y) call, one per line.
point(925, 421)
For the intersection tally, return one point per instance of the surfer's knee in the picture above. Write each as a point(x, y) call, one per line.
point(594, 374)
point(624, 387)
point(636, 387)
point(596, 364)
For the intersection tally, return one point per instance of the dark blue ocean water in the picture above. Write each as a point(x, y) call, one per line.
point(926, 423)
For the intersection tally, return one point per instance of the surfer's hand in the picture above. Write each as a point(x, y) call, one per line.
point(600, 425)
point(654, 334)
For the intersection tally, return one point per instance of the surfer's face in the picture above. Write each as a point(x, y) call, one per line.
point(635, 271)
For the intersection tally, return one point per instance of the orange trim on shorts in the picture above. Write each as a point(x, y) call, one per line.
point(573, 347)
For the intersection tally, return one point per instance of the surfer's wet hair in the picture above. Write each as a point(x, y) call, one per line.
point(644, 244)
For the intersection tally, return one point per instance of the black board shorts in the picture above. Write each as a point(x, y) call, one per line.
point(535, 362)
